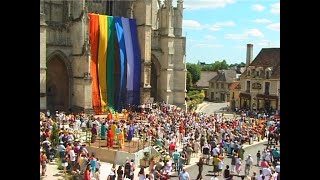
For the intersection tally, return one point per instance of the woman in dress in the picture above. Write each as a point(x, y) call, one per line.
point(238, 165)
point(112, 175)
point(141, 174)
point(120, 173)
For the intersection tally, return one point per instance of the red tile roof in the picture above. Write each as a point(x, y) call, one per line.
point(267, 57)
point(234, 85)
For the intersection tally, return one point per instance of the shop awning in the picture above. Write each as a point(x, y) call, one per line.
point(245, 96)
point(263, 96)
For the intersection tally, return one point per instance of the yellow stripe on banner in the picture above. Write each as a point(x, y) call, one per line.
point(102, 60)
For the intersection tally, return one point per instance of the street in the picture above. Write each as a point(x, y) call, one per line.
point(208, 169)
point(210, 107)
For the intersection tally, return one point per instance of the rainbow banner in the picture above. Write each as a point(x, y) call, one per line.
point(94, 42)
point(137, 62)
point(110, 64)
point(102, 60)
point(122, 51)
point(115, 62)
point(130, 60)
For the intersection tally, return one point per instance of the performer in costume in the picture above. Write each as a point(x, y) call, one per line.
point(110, 138)
point(113, 130)
point(121, 137)
point(130, 133)
point(103, 131)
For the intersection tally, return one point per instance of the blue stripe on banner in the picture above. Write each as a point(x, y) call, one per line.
point(122, 51)
point(130, 59)
point(137, 62)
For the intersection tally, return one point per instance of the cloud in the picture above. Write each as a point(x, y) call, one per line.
point(246, 34)
point(217, 26)
point(258, 7)
point(192, 24)
point(206, 4)
point(209, 37)
point(254, 33)
point(274, 26)
point(208, 45)
point(275, 8)
point(264, 43)
point(241, 47)
point(235, 36)
point(262, 21)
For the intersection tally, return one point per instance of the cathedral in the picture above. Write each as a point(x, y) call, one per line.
point(65, 55)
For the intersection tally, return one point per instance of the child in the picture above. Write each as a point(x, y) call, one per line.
point(258, 157)
point(220, 166)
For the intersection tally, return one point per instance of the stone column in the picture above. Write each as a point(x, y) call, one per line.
point(43, 64)
point(142, 14)
point(180, 72)
point(82, 95)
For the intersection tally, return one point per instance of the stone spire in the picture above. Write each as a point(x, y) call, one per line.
point(178, 16)
point(168, 3)
point(180, 4)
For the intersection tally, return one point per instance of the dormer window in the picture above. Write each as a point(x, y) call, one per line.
point(248, 73)
point(268, 72)
point(253, 72)
point(257, 73)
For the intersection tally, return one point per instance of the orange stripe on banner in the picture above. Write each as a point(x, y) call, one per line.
point(102, 60)
point(94, 42)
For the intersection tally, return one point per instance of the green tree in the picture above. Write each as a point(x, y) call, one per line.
point(242, 64)
point(224, 65)
point(189, 81)
point(195, 71)
point(54, 138)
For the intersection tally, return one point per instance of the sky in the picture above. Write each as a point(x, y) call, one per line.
point(221, 29)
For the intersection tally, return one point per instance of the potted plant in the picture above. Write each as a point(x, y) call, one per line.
point(145, 160)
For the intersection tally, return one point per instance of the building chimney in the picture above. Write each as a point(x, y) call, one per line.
point(249, 54)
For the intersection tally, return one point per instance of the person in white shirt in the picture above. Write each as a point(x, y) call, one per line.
point(214, 177)
point(268, 156)
point(216, 151)
point(72, 158)
point(84, 125)
point(266, 172)
point(249, 162)
point(278, 167)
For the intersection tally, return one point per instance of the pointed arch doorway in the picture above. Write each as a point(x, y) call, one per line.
point(58, 82)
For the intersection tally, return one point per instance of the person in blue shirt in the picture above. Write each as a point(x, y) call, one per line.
point(176, 157)
point(103, 131)
point(184, 175)
point(276, 154)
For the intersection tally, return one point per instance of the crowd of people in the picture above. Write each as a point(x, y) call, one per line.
point(169, 127)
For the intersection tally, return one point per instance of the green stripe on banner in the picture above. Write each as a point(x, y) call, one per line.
point(111, 63)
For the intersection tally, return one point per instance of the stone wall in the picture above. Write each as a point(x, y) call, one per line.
point(119, 157)
point(43, 66)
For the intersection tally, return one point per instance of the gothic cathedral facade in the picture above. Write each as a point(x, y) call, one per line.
point(65, 81)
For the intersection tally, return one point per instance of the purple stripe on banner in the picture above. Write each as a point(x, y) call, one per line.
point(130, 59)
point(137, 62)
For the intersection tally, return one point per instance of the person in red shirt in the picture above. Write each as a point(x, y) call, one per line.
point(43, 162)
point(110, 138)
point(87, 173)
point(271, 128)
point(172, 147)
point(264, 163)
point(109, 117)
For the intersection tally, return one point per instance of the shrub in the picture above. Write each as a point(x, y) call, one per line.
point(54, 138)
